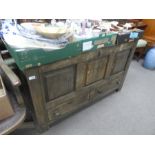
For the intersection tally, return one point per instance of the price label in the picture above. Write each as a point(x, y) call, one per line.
point(87, 45)
point(133, 35)
point(32, 77)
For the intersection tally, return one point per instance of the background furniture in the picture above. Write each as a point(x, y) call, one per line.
point(149, 33)
point(12, 83)
point(141, 48)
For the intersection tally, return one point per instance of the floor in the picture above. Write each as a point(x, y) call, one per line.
point(130, 111)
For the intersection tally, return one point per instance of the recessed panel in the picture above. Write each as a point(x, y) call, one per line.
point(120, 61)
point(59, 82)
point(96, 70)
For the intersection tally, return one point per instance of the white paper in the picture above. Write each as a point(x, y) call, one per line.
point(87, 45)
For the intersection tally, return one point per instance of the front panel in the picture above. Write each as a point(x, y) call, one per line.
point(120, 61)
point(59, 82)
point(96, 70)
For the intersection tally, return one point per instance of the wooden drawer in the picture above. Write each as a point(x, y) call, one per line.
point(108, 87)
point(62, 107)
point(112, 84)
point(61, 110)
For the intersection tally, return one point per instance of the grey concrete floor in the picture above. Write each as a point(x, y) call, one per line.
point(130, 111)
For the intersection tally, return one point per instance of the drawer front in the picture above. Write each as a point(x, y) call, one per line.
point(66, 106)
point(108, 87)
point(61, 110)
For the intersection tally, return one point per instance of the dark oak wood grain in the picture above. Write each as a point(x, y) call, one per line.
point(63, 87)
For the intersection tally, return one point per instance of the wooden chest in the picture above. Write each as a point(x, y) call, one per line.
point(63, 87)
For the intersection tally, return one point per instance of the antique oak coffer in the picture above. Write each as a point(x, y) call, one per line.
point(62, 87)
